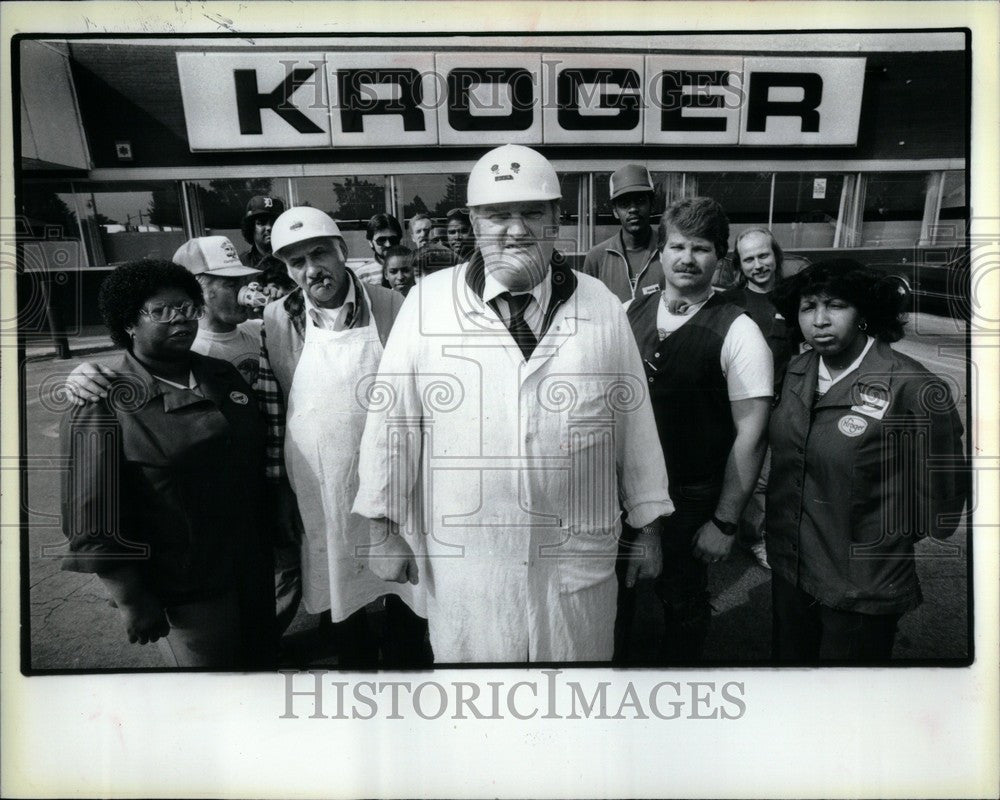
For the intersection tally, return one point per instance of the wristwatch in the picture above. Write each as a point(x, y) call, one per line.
point(728, 528)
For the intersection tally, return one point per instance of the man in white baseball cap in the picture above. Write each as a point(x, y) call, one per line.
point(515, 418)
point(224, 332)
point(319, 345)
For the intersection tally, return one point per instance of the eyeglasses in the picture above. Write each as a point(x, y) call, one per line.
point(164, 314)
point(387, 241)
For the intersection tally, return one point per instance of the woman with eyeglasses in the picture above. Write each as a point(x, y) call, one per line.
point(866, 459)
point(163, 496)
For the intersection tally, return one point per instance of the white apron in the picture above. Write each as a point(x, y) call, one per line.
point(324, 425)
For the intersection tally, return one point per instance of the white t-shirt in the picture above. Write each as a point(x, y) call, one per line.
point(746, 360)
point(240, 347)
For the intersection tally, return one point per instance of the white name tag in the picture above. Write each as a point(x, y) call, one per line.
point(874, 402)
point(650, 290)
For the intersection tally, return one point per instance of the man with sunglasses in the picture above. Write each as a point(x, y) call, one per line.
point(384, 231)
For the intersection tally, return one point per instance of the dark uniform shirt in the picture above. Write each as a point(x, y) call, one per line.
point(858, 475)
point(172, 482)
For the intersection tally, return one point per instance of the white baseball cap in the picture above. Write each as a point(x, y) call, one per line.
point(512, 173)
point(212, 255)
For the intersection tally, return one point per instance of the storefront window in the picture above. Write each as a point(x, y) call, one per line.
point(221, 204)
point(352, 201)
point(47, 226)
point(432, 194)
point(806, 208)
point(48, 210)
point(123, 222)
point(569, 213)
point(951, 220)
point(894, 208)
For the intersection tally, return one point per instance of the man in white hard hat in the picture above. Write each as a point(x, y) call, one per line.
point(628, 262)
point(509, 422)
point(319, 346)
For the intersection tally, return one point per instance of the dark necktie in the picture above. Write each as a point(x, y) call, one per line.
point(519, 329)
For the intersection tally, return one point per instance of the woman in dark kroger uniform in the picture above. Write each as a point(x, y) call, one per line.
point(852, 487)
point(162, 498)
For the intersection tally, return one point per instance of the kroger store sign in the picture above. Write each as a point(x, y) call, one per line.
point(275, 100)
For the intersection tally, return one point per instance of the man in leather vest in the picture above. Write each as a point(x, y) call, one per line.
point(709, 375)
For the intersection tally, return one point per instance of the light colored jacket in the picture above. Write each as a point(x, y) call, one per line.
point(607, 262)
point(508, 475)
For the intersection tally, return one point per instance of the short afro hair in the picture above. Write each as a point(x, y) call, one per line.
point(880, 299)
point(124, 292)
point(696, 217)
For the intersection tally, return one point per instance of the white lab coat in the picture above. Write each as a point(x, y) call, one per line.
point(508, 474)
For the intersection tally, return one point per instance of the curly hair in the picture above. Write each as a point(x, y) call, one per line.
point(124, 292)
point(881, 299)
point(698, 217)
point(779, 254)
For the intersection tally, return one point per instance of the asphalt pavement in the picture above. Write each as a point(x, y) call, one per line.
point(72, 626)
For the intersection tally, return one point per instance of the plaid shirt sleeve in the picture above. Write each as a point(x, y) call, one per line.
point(272, 406)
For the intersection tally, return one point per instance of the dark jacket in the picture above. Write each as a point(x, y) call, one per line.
point(172, 482)
point(760, 306)
point(858, 475)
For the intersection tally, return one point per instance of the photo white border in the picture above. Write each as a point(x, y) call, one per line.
point(908, 732)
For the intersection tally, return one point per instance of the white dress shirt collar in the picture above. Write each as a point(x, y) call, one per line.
point(824, 382)
point(534, 313)
point(333, 319)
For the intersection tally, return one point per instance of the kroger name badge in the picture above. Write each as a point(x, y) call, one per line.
point(851, 425)
point(239, 397)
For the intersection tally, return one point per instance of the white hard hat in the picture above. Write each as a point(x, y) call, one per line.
point(510, 174)
point(300, 223)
